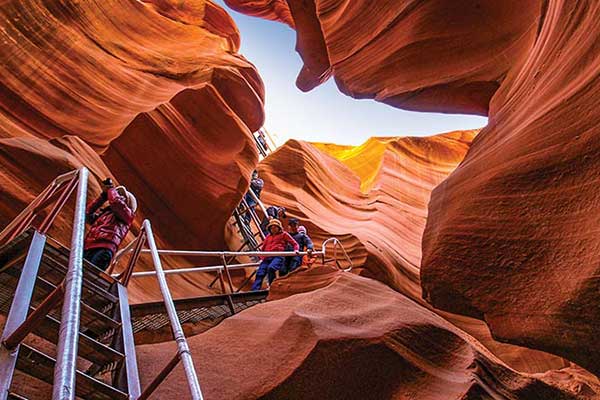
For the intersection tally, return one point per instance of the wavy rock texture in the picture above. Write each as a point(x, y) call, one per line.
point(374, 198)
point(512, 233)
point(156, 87)
point(29, 164)
point(391, 50)
point(512, 236)
point(345, 341)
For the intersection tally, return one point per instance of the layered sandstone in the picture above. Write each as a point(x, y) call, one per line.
point(345, 341)
point(374, 198)
point(511, 235)
point(156, 87)
point(443, 56)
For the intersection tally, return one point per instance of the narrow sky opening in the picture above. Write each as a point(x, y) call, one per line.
point(325, 114)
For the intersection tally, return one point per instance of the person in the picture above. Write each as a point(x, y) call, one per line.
point(273, 212)
point(109, 225)
point(304, 241)
point(276, 240)
point(256, 185)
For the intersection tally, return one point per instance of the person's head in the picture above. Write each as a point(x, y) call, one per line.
point(254, 174)
point(293, 225)
point(129, 197)
point(302, 229)
point(274, 226)
point(281, 213)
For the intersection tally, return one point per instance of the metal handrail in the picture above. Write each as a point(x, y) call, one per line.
point(64, 374)
point(201, 253)
point(211, 268)
point(183, 349)
point(337, 242)
point(24, 219)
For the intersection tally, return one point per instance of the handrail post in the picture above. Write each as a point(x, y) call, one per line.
point(182, 345)
point(260, 203)
point(64, 372)
point(254, 218)
point(227, 274)
point(19, 308)
point(126, 275)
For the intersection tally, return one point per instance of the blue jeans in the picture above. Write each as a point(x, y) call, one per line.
point(295, 262)
point(100, 257)
point(268, 266)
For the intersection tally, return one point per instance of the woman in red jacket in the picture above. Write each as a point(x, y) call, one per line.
point(109, 224)
point(276, 240)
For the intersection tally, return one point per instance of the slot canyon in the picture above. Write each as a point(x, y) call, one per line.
point(475, 261)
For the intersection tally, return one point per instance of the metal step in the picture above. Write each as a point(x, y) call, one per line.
point(15, 396)
point(93, 315)
point(41, 366)
point(53, 270)
point(89, 348)
point(211, 310)
point(54, 267)
point(96, 323)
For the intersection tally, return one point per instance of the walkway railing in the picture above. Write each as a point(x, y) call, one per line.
point(18, 324)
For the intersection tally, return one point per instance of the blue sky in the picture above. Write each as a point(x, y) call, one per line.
point(324, 114)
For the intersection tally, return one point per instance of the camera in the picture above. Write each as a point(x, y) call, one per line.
point(108, 182)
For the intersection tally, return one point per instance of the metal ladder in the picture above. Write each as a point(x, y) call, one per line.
point(92, 329)
point(92, 334)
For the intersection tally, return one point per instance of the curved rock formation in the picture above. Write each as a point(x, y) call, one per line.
point(156, 86)
point(374, 198)
point(391, 50)
point(345, 341)
point(512, 236)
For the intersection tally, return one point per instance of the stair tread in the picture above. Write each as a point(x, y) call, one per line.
point(89, 348)
point(15, 396)
point(41, 366)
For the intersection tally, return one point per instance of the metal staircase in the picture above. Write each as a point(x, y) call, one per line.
point(70, 324)
point(80, 313)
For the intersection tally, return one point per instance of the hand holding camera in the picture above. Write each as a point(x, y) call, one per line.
point(107, 184)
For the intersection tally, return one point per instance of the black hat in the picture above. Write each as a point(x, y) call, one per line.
point(293, 221)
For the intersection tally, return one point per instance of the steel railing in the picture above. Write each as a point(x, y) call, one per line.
point(18, 323)
point(183, 350)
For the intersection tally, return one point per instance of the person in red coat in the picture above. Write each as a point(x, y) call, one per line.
point(276, 240)
point(109, 225)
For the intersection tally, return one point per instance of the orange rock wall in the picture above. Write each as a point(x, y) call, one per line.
point(392, 51)
point(346, 341)
point(156, 87)
point(512, 235)
point(374, 198)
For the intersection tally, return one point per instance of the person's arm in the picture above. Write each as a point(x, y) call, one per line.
point(118, 205)
point(309, 243)
point(91, 209)
point(289, 239)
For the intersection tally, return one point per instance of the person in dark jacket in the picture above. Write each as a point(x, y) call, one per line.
point(273, 212)
point(109, 225)
point(276, 240)
point(304, 243)
point(256, 185)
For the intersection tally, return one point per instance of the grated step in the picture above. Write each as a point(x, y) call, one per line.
point(41, 366)
point(89, 348)
point(15, 396)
